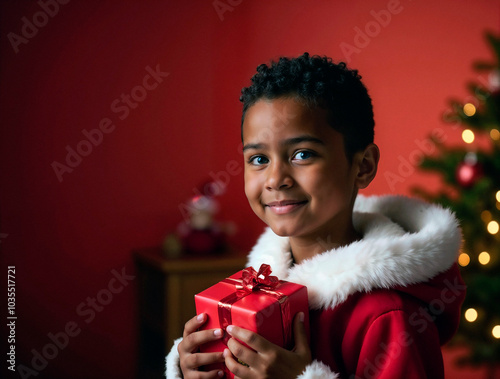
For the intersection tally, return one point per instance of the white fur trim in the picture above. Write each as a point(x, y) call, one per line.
point(173, 368)
point(317, 370)
point(405, 241)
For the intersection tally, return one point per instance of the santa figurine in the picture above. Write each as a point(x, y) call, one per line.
point(199, 233)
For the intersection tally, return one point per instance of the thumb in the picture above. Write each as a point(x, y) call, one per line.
point(300, 335)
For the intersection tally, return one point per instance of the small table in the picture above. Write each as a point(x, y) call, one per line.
point(166, 289)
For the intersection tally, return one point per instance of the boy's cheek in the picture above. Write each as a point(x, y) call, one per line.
point(252, 185)
point(250, 194)
point(253, 195)
point(248, 191)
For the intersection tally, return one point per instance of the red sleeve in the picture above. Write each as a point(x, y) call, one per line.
point(397, 346)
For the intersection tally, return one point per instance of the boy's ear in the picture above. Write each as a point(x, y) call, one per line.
point(367, 162)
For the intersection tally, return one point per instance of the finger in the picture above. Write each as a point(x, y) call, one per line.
point(300, 335)
point(206, 375)
point(192, 342)
point(241, 352)
point(250, 338)
point(194, 361)
point(239, 370)
point(194, 324)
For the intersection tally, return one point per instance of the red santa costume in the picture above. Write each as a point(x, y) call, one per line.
point(382, 306)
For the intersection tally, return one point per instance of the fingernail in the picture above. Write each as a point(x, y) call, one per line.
point(220, 374)
point(200, 317)
point(301, 316)
point(225, 353)
point(230, 329)
point(218, 332)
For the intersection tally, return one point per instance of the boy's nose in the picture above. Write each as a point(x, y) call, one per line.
point(278, 177)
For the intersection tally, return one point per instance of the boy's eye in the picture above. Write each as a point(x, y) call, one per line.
point(258, 160)
point(302, 155)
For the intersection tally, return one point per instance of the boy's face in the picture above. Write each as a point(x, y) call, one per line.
point(297, 177)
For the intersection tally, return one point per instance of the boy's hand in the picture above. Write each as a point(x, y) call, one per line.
point(190, 358)
point(268, 360)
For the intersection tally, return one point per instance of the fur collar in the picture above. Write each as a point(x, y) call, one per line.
point(405, 241)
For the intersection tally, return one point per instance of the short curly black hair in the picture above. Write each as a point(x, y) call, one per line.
point(319, 82)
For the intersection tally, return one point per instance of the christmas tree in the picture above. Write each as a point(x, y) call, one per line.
point(471, 188)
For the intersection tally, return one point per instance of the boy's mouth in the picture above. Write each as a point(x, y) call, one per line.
point(284, 206)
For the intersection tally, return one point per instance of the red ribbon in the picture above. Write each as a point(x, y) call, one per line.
point(256, 281)
point(253, 280)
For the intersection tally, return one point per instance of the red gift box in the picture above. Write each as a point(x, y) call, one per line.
point(255, 301)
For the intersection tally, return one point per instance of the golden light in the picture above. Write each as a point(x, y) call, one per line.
point(497, 196)
point(469, 109)
point(468, 136)
point(463, 259)
point(495, 134)
point(471, 315)
point(486, 216)
point(493, 227)
point(496, 331)
point(484, 258)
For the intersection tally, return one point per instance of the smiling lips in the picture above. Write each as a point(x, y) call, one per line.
point(284, 206)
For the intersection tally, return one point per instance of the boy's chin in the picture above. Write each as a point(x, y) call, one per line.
point(281, 231)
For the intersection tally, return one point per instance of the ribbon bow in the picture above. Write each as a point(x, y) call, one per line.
point(254, 280)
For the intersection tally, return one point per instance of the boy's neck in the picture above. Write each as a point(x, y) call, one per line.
point(306, 247)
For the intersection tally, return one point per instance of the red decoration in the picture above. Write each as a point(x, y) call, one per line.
point(468, 173)
point(201, 234)
point(203, 241)
point(255, 301)
point(253, 280)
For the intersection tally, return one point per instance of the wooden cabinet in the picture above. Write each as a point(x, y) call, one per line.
point(166, 289)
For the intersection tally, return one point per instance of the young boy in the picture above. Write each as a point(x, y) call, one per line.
point(384, 289)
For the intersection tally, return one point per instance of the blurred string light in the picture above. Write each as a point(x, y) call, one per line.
point(470, 315)
point(493, 227)
point(469, 109)
point(497, 196)
point(468, 136)
point(484, 258)
point(463, 259)
point(495, 134)
point(496, 331)
point(486, 216)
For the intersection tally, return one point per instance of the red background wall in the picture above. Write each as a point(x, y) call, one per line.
point(65, 237)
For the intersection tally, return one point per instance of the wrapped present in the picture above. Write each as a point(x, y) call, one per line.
point(256, 301)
